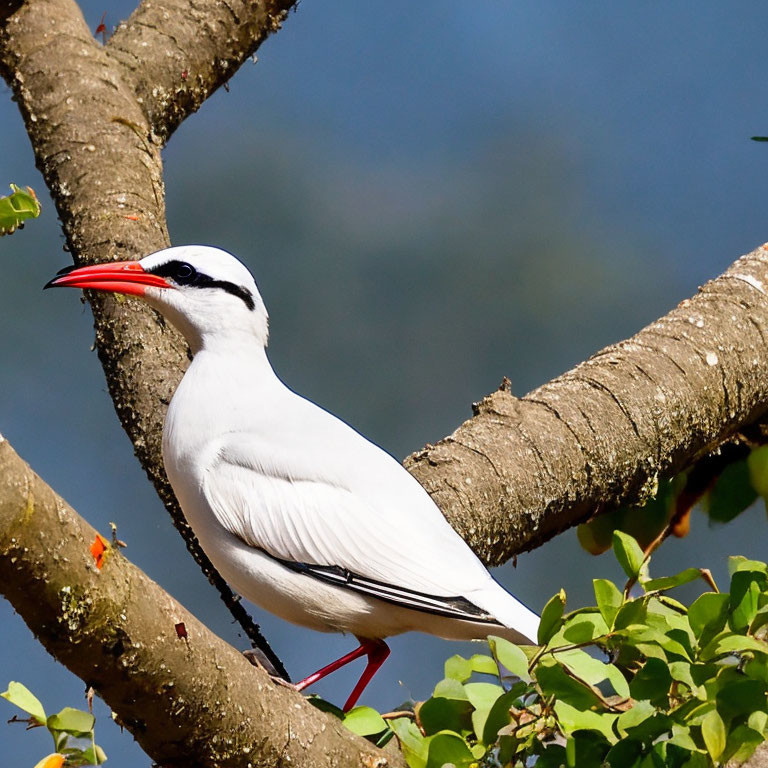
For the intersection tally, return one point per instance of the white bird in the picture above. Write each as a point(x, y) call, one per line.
point(299, 513)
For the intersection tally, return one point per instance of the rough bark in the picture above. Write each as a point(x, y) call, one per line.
point(99, 154)
point(178, 52)
point(116, 629)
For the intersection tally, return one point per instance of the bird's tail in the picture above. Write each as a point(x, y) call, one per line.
point(521, 624)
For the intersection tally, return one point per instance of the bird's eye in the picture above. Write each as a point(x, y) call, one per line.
point(184, 271)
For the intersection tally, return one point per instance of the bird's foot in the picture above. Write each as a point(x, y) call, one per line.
point(281, 681)
point(259, 659)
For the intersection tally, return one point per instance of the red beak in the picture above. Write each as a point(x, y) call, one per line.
point(116, 276)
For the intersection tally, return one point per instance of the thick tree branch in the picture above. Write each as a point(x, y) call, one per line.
point(102, 164)
point(179, 52)
point(521, 470)
point(116, 629)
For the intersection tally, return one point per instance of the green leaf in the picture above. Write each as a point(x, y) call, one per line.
point(510, 657)
point(728, 643)
point(628, 553)
point(412, 742)
point(72, 721)
point(714, 734)
point(325, 706)
point(450, 689)
point(632, 612)
point(439, 714)
point(758, 721)
point(741, 744)
point(638, 635)
point(650, 727)
point(625, 754)
point(697, 760)
point(738, 563)
point(551, 617)
point(681, 737)
point(596, 535)
point(609, 599)
point(757, 464)
point(484, 664)
point(760, 619)
point(23, 698)
point(668, 582)
point(681, 671)
point(707, 615)
point(449, 748)
point(731, 494)
point(458, 668)
point(364, 721)
point(16, 208)
point(652, 682)
point(498, 717)
point(482, 697)
point(635, 715)
point(590, 749)
point(555, 681)
point(741, 697)
point(477, 750)
point(593, 671)
point(508, 748)
point(581, 627)
point(656, 758)
point(746, 587)
point(572, 719)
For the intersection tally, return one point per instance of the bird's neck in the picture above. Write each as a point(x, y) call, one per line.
point(233, 361)
point(221, 391)
point(247, 340)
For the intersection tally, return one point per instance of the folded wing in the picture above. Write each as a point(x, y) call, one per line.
point(378, 533)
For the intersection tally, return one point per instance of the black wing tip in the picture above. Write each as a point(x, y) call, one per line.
point(454, 607)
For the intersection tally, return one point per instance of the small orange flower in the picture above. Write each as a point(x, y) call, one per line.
point(99, 550)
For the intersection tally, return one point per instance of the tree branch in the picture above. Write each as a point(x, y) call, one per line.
point(178, 52)
point(521, 470)
point(116, 629)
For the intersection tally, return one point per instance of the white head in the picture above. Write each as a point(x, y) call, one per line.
point(208, 294)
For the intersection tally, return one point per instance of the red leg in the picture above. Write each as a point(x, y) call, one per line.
point(376, 651)
point(332, 667)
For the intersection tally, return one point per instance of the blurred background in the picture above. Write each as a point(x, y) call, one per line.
point(431, 196)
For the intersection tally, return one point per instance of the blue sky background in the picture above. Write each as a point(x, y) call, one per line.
point(431, 196)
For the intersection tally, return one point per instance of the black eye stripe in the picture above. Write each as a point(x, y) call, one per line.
point(235, 290)
point(185, 274)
